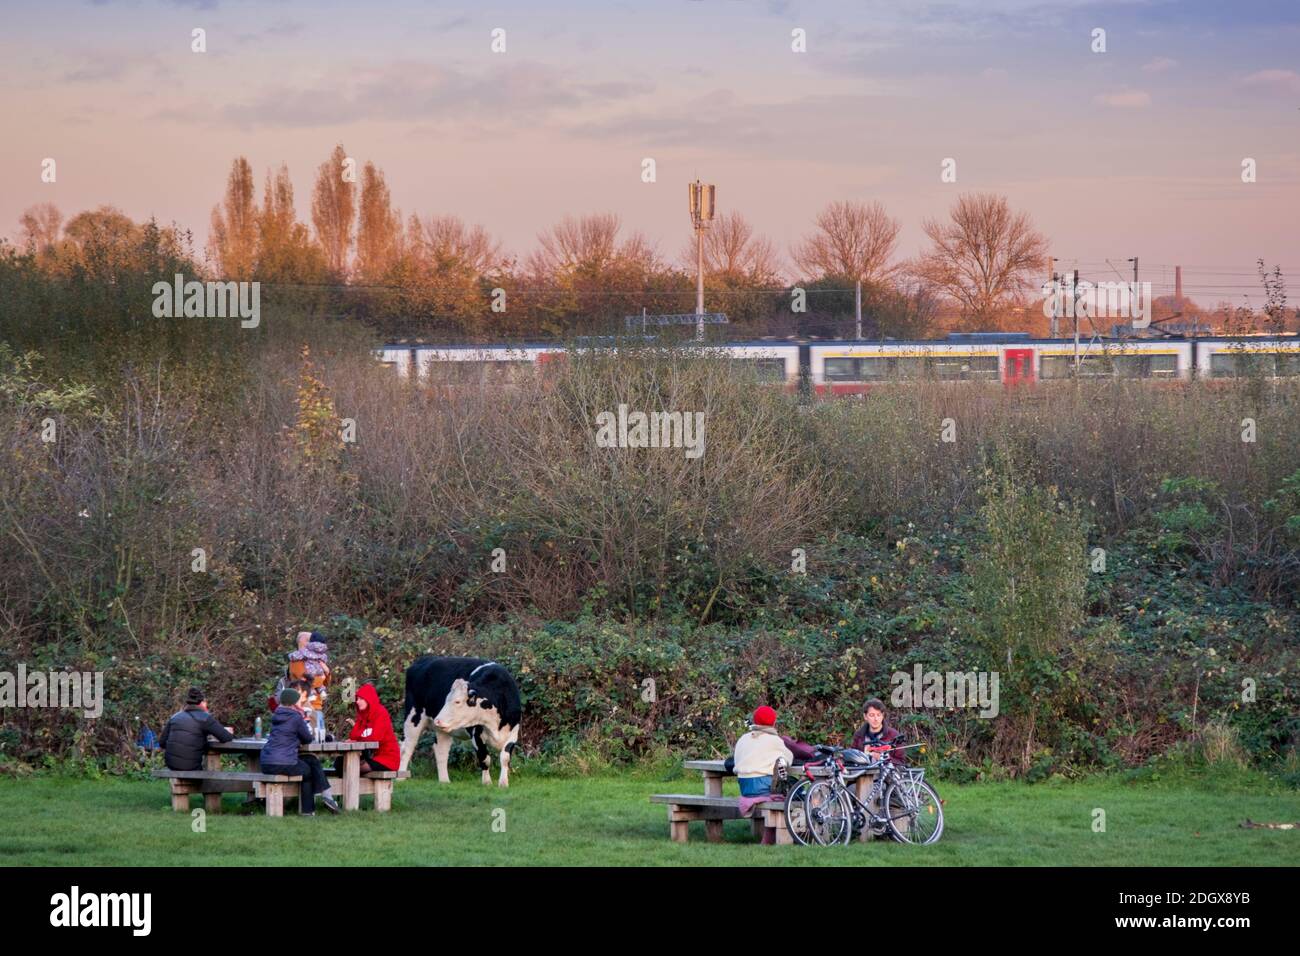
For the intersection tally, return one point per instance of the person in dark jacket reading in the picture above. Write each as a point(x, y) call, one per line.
point(280, 755)
point(876, 732)
point(185, 737)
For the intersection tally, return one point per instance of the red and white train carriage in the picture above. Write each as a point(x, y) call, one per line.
point(856, 367)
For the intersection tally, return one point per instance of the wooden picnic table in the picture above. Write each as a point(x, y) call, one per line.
point(251, 748)
point(715, 771)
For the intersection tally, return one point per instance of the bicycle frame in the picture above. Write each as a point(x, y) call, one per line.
point(886, 773)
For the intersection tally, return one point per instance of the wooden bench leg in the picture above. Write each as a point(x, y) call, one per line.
point(212, 802)
point(180, 796)
point(383, 796)
point(274, 800)
point(776, 818)
point(713, 830)
point(712, 785)
point(756, 824)
point(679, 822)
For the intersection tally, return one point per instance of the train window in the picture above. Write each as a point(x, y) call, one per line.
point(947, 366)
point(1130, 366)
point(1146, 366)
point(1057, 366)
point(1223, 365)
point(1090, 366)
point(1241, 362)
point(964, 367)
point(457, 372)
point(841, 370)
point(1097, 366)
point(909, 367)
point(469, 371)
point(767, 369)
point(875, 368)
point(1164, 366)
point(474, 372)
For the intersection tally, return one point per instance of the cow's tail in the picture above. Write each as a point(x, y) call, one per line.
point(410, 731)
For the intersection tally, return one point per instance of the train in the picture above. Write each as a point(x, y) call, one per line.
point(834, 367)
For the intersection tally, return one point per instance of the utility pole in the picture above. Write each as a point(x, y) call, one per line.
point(1055, 280)
point(699, 275)
point(1074, 294)
point(702, 209)
point(857, 308)
point(1133, 296)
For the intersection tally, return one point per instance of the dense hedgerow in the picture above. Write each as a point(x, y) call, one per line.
point(627, 566)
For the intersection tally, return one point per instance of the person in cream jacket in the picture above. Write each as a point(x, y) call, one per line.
point(757, 752)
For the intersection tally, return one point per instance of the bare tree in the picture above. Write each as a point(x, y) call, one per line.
point(1274, 298)
point(379, 227)
point(40, 226)
point(445, 244)
point(731, 250)
point(233, 243)
point(333, 211)
point(589, 244)
point(442, 268)
point(853, 239)
point(585, 274)
point(983, 257)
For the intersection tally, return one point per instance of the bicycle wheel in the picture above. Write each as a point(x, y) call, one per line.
point(914, 811)
point(830, 817)
point(796, 813)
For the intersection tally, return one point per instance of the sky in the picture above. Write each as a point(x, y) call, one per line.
point(1134, 151)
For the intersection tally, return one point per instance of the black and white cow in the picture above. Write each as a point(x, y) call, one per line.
point(462, 695)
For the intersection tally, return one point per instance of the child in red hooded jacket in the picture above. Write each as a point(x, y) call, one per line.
point(374, 725)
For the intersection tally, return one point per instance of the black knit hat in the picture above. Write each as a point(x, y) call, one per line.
point(194, 697)
point(289, 697)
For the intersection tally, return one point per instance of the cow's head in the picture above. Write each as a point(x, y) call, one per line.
point(464, 707)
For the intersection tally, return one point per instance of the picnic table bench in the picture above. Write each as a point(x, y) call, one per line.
point(713, 808)
point(683, 808)
point(376, 783)
point(212, 781)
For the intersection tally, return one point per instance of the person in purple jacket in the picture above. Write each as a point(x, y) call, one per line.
point(280, 755)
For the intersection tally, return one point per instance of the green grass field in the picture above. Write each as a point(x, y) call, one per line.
point(608, 821)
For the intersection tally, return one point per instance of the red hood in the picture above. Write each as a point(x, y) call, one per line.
point(374, 724)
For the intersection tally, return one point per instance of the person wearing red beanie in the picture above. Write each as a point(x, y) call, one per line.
point(754, 760)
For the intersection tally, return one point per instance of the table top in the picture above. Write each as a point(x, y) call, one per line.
point(708, 766)
point(329, 746)
point(718, 768)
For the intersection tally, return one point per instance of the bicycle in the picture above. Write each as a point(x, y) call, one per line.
point(827, 811)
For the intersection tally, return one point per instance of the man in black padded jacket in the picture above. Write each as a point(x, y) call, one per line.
point(185, 738)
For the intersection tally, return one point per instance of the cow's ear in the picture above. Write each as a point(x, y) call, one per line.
point(485, 704)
